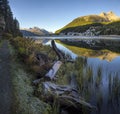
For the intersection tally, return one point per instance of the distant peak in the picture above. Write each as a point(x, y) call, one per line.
point(110, 12)
point(110, 16)
point(103, 13)
point(36, 27)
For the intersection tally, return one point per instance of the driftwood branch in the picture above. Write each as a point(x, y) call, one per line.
point(52, 72)
point(66, 95)
point(58, 52)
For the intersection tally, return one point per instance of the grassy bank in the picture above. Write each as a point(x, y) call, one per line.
point(24, 100)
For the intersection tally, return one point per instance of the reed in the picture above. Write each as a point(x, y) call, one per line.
point(99, 77)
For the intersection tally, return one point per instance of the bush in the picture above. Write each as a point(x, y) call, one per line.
point(7, 36)
point(27, 51)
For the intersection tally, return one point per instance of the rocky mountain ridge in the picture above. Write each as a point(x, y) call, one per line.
point(35, 31)
point(109, 16)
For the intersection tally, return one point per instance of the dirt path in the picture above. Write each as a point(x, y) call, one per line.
point(5, 80)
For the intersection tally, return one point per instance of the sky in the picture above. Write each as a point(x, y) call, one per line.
point(54, 14)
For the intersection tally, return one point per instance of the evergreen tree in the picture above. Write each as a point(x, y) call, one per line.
point(11, 24)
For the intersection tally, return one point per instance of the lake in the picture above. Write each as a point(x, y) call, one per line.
point(76, 37)
point(101, 79)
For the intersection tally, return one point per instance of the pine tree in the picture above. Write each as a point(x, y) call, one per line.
point(11, 24)
point(16, 30)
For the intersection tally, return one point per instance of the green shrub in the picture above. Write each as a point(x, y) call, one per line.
point(21, 50)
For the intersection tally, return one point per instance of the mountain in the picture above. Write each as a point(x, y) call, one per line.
point(83, 23)
point(110, 16)
point(28, 33)
point(35, 31)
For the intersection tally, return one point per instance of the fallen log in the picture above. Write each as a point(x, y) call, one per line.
point(58, 52)
point(65, 95)
point(75, 102)
point(52, 72)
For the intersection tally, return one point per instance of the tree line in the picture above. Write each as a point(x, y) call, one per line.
point(11, 24)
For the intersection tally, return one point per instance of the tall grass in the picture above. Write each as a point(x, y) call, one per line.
point(99, 77)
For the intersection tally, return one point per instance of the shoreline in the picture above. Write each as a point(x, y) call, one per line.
point(76, 37)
